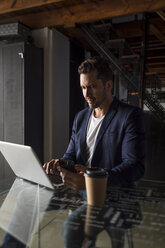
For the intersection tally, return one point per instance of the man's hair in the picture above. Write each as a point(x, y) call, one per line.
point(99, 64)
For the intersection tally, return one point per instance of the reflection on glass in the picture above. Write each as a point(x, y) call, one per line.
point(131, 217)
point(22, 209)
point(82, 227)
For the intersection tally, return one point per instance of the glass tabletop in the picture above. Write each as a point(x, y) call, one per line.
point(34, 216)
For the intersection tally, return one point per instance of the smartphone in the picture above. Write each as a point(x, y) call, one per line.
point(67, 164)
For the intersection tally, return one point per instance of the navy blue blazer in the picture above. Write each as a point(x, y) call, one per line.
point(119, 146)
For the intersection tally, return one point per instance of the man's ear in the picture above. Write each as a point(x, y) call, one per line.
point(109, 85)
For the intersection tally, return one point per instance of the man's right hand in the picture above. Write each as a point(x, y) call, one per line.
point(51, 167)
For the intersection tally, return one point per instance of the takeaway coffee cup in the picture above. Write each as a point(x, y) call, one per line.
point(96, 184)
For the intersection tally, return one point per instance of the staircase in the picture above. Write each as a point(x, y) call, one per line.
point(103, 38)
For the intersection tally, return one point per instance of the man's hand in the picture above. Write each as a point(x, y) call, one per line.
point(51, 167)
point(80, 168)
point(75, 181)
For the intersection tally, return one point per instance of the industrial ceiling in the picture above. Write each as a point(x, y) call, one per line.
point(126, 17)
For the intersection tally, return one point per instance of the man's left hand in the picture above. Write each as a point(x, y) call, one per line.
point(75, 181)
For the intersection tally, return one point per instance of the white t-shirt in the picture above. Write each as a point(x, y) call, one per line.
point(93, 128)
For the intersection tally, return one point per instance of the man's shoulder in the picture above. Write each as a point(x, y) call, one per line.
point(123, 106)
point(82, 117)
point(82, 113)
point(125, 111)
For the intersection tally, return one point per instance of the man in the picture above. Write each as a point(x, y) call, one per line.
point(108, 134)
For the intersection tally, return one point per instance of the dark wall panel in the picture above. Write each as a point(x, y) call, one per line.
point(21, 97)
point(76, 98)
point(155, 148)
point(1, 112)
point(13, 93)
point(33, 108)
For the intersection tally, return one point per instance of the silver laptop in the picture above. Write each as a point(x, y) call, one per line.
point(25, 164)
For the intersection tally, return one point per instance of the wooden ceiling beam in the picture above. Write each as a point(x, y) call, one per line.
point(156, 65)
point(158, 70)
point(9, 6)
point(68, 15)
point(149, 48)
point(148, 73)
point(156, 60)
point(134, 32)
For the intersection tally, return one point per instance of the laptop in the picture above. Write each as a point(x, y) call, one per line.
point(26, 165)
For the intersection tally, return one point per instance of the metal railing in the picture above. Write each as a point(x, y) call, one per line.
point(151, 102)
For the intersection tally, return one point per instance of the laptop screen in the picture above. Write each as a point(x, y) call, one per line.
point(25, 163)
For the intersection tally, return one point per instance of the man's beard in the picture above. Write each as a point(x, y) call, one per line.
point(97, 104)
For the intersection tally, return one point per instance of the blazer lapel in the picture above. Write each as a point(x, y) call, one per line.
point(83, 134)
point(107, 120)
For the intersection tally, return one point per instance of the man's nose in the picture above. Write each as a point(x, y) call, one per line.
point(87, 93)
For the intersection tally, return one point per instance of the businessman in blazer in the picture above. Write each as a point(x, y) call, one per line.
point(108, 134)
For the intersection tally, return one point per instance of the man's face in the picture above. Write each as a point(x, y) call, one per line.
point(94, 91)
